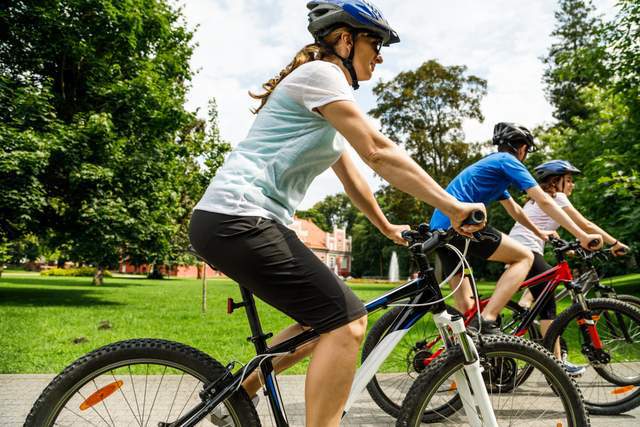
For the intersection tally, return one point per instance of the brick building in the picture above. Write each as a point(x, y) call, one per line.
point(334, 249)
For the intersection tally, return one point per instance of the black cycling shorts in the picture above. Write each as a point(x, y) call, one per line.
point(548, 310)
point(482, 249)
point(267, 258)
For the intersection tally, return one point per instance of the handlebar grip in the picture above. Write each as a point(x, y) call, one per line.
point(476, 217)
point(594, 243)
point(407, 235)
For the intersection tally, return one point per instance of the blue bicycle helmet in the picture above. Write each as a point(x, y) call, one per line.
point(553, 168)
point(325, 15)
point(360, 15)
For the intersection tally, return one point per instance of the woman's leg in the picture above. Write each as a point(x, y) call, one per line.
point(253, 383)
point(331, 372)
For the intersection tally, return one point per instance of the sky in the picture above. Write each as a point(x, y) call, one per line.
point(243, 43)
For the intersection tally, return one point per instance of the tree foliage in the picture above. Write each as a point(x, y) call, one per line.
point(601, 137)
point(575, 59)
point(95, 128)
point(423, 110)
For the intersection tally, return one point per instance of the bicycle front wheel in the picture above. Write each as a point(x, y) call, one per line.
point(611, 382)
point(140, 382)
point(548, 398)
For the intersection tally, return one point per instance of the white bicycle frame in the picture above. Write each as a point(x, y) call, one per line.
point(471, 386)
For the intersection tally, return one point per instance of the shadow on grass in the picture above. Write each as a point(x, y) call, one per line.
point(30, 297)
point(63, 281)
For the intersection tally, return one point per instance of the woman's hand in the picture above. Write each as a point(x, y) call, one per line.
point(619, 249)
point(394, 232)
point(547, 234)
point(587, 239)
point(461, 212)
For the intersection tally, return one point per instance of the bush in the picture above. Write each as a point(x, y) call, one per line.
point(75, 272)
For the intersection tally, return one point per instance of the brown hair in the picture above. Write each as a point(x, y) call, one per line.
point(311, 52)
point(550, 186)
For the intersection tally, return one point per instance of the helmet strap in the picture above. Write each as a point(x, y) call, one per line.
point(346, 62)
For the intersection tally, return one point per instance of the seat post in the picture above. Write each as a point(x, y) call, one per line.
point(258, 337)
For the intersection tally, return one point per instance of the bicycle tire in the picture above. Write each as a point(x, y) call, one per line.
point(134, 354)
point(494, 347)
point(620, 393)
point(389, 394)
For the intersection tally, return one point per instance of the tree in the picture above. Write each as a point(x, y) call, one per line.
point(334, 211)
point(117, 147)
point(423, 110)
point(575, 60)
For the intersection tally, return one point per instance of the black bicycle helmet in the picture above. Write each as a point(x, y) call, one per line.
point(553, 168)
point(360, 15)
point(511, 134)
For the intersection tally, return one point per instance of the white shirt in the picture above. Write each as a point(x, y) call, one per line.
point(541, 220)
point(289, 144)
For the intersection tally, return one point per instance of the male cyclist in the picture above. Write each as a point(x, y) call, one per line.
point(486, 181)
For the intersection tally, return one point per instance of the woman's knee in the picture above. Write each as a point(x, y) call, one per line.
point(354, 330)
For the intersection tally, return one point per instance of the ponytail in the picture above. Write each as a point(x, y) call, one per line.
point(311, 52)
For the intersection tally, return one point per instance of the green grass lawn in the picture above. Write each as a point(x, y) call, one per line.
point(40, 317)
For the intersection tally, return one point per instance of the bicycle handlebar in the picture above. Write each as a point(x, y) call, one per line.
point(430, 240)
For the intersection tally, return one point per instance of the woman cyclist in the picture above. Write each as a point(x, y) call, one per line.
point(555, 178)
point(239, 224)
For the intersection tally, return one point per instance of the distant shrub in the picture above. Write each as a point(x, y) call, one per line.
point(75, 272)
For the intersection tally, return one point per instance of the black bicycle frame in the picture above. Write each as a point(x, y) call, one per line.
point(423, 290)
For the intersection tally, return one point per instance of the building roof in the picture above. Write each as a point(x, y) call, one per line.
point(310, 234)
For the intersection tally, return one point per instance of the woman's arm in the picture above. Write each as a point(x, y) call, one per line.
point(516, 212)
point(618, 248)
point(360, 194)
point(394, 165)
point(550, 207)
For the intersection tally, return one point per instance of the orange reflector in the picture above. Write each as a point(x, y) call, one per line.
point(101, 394)
point(453, 386)
point(624, 389)
point(558, 424)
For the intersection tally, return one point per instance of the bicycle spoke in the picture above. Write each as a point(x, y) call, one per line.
point(127, 400)
point(174, 398)
point(104, 404)
point(156, 395)
point(134, 395)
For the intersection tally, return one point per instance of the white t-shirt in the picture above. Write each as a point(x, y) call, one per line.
point(541, 220)
point(289, 144)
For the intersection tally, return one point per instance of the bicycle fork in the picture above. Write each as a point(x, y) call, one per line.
point(469, 383)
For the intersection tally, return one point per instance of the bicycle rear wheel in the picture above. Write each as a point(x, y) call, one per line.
point(548, 398)
point(611, 383)
point(138, 382)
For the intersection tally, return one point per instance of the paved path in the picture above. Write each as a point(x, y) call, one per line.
point(18, 392)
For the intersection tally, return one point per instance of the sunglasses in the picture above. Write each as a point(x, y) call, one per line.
point(376, 42)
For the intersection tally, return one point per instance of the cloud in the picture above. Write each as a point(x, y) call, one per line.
point(242, 43)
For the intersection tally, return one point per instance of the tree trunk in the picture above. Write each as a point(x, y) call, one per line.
point(1, 268)
point(155, 273)
point(98, 278)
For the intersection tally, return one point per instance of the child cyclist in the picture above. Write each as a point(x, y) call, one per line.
point(487, 181)
point(239, 225)
point(555, 177)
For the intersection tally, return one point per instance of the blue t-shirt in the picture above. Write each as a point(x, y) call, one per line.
point(486, 181)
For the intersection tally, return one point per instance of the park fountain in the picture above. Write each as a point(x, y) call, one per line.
point(394, 270)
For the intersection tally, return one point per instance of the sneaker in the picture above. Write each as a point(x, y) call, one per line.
point(489, 327)
point(573, 370)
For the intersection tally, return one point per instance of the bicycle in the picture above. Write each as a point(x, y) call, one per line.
point(422, 346)
point(590, 280)
point(81, 392)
